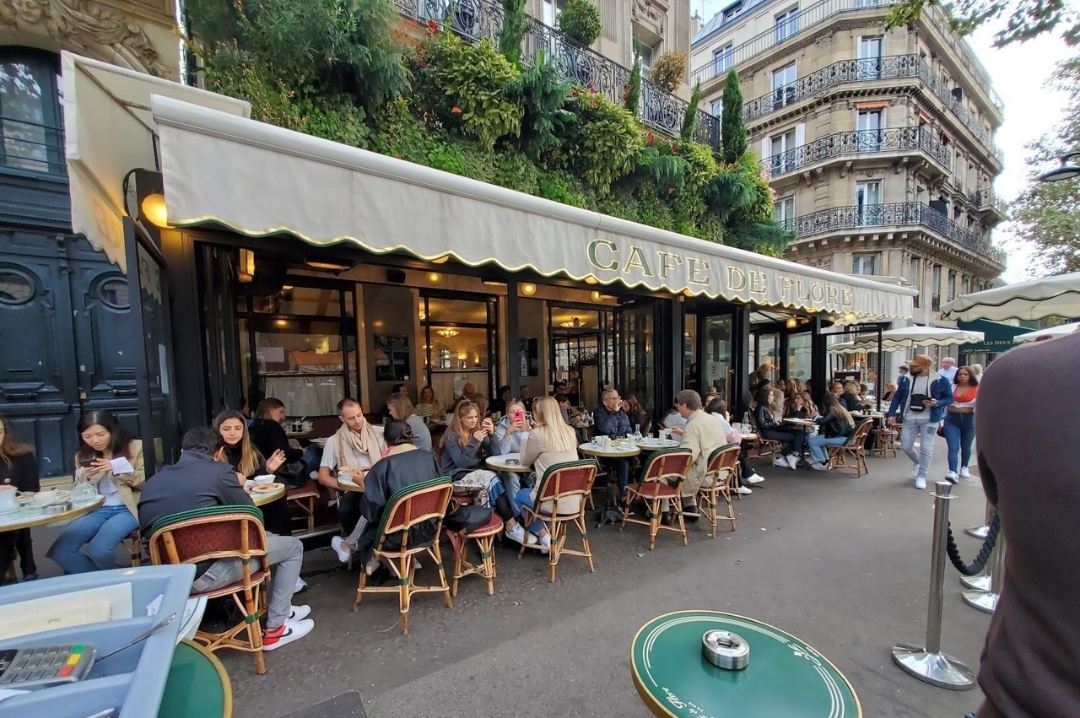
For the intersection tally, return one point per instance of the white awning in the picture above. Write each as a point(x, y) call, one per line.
point(260, 180)
point(1049, 333)
point(1037, 299)
point(108, 131)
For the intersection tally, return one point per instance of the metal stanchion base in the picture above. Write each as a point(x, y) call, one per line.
point(937, 669)
point(976, 583)
point(985, 601)
point(978, 532)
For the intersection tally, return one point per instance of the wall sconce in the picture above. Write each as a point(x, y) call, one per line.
point(596, 295)
point(528, 289)
point(850, 317)
point(246, 271)
point(791, 322)
point(434, 277)
point(153, 208)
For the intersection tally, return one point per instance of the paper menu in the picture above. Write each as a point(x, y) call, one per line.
point(66, 610)
point(121, 466)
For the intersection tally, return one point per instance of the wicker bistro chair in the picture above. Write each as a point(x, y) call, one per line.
point(855, 447)
point(560, 483)
point(409, 507)
point(484, 536)
point(664, 473)
point(304, 498)
point(720, 478)
point(762, 447)
point(210, 534)
point(884, 442)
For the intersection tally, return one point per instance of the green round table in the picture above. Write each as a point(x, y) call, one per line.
point(197, 686)
point(785, 678)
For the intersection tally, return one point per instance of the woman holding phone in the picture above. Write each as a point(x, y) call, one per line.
point(110, 458)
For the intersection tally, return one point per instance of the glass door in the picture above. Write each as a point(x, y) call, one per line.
point(580, 353)
point(461, 345)
point(716, 356)
point(636, 360)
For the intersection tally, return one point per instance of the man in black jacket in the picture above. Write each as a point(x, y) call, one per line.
point(196, 481)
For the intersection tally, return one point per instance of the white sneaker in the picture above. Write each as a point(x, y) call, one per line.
point(781, 461)
point(920, 482)
point(299, 613)
point(745, 490)
point(818, 466)
point(964, 473)
point(793, 461)
point(754, 478)
point(517, 534)
point(341, 549)
point(951, 477)
point(545, 544)
point(915, 471)
point(293, 631)
point(301, 585)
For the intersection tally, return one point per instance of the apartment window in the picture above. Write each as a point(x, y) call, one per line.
point(869, 64)
point(965, 284)
point(935, 288)
point(732, 11)
point(783, 157)
point(869, 124)
point(868, 3)
point(951, 289)
point(787, 24)
point(551, 10)
point(716, 107)
point(867, 203)
point(783, 85)
point(864, 264)
point(722, 59)
point(31, 132)
point(784, 212)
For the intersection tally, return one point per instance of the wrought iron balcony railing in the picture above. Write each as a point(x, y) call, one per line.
point(31, 147)
point(987, 199)
point(839, 73)
point(858, 142)
point(476, 20)
point(868, 70)
point(793, 24)
point(899, 214)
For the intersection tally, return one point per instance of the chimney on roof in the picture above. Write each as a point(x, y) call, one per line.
point(695, 24)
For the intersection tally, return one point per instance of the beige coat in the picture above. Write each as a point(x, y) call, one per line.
point(535, 453)
point(128, 486)
point(702, 435)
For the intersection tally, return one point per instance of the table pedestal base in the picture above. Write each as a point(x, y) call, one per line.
point(937, 669)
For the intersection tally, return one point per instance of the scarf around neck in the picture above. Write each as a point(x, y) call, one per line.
point(352, 445)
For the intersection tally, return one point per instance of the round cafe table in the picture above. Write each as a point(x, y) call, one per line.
point(624, 451)
point(197, 686)
point(29, 517)
point(785, 678)
point(498, 463)
point(657, 444)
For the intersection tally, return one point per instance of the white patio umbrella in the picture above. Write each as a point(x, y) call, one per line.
point(1049, 332)
point(1037, 299)
point(917, 336)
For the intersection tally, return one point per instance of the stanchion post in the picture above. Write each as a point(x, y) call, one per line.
point(928, 663)
point(986, 600)
point(980, 532)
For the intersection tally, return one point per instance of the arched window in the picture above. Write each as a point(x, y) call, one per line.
point(31, 127)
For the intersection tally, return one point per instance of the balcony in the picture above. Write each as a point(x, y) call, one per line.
point(32, 148)
point(476, 20)
point(985, 200)
point(869, 70)
point(900, 214)
point(857, 143)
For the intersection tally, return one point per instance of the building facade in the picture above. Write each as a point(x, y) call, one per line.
point(879, 145)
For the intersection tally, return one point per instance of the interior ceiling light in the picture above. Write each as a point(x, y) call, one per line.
point(329, 265)
point(574, 323)
point(447, 332)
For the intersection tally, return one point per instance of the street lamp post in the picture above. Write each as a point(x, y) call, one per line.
point(1066, 171)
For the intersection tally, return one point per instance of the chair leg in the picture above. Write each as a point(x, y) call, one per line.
point(553, 552)
point(487, 556)
point(581, 525)
point(436, 552)
point(682, 521)
point(254, 630)
point(404, 579)
point(654, 522)
point(459, 563)
point(360, 588)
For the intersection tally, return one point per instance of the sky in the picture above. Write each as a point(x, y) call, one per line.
point(1019, 73)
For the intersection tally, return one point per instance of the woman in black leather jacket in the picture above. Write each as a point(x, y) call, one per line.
point(770, 427)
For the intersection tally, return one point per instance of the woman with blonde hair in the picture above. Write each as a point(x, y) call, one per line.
point(550, 442)
point(467, 443)
point(811, 407)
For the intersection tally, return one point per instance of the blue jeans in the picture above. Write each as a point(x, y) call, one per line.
point(817, 445)
point(959, 433)
point(913, 428)
point(312, 458)
point(100, 531)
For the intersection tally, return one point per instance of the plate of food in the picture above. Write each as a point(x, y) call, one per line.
point(267, 488)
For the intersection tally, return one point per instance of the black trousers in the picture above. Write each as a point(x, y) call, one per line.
point(348, 509)
point(12, 541)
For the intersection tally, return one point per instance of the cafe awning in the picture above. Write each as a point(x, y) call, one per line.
point(1038, 299)
point(222, 169)
point(1049, 333)
point(262, 180)
point(997, 337)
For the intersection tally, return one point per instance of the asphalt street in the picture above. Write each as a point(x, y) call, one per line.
point(840, 562)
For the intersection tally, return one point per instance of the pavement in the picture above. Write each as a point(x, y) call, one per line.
point(841, 562)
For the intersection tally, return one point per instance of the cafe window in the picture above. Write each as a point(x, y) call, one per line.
point(299, 345)
point(31, 132)
point(864, 264)
point(460, 342)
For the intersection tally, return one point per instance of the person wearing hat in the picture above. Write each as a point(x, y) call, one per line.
point(919, 406)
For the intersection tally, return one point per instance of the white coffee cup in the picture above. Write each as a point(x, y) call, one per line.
point(8, 496)
point(264, 479)
point(43, 498)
